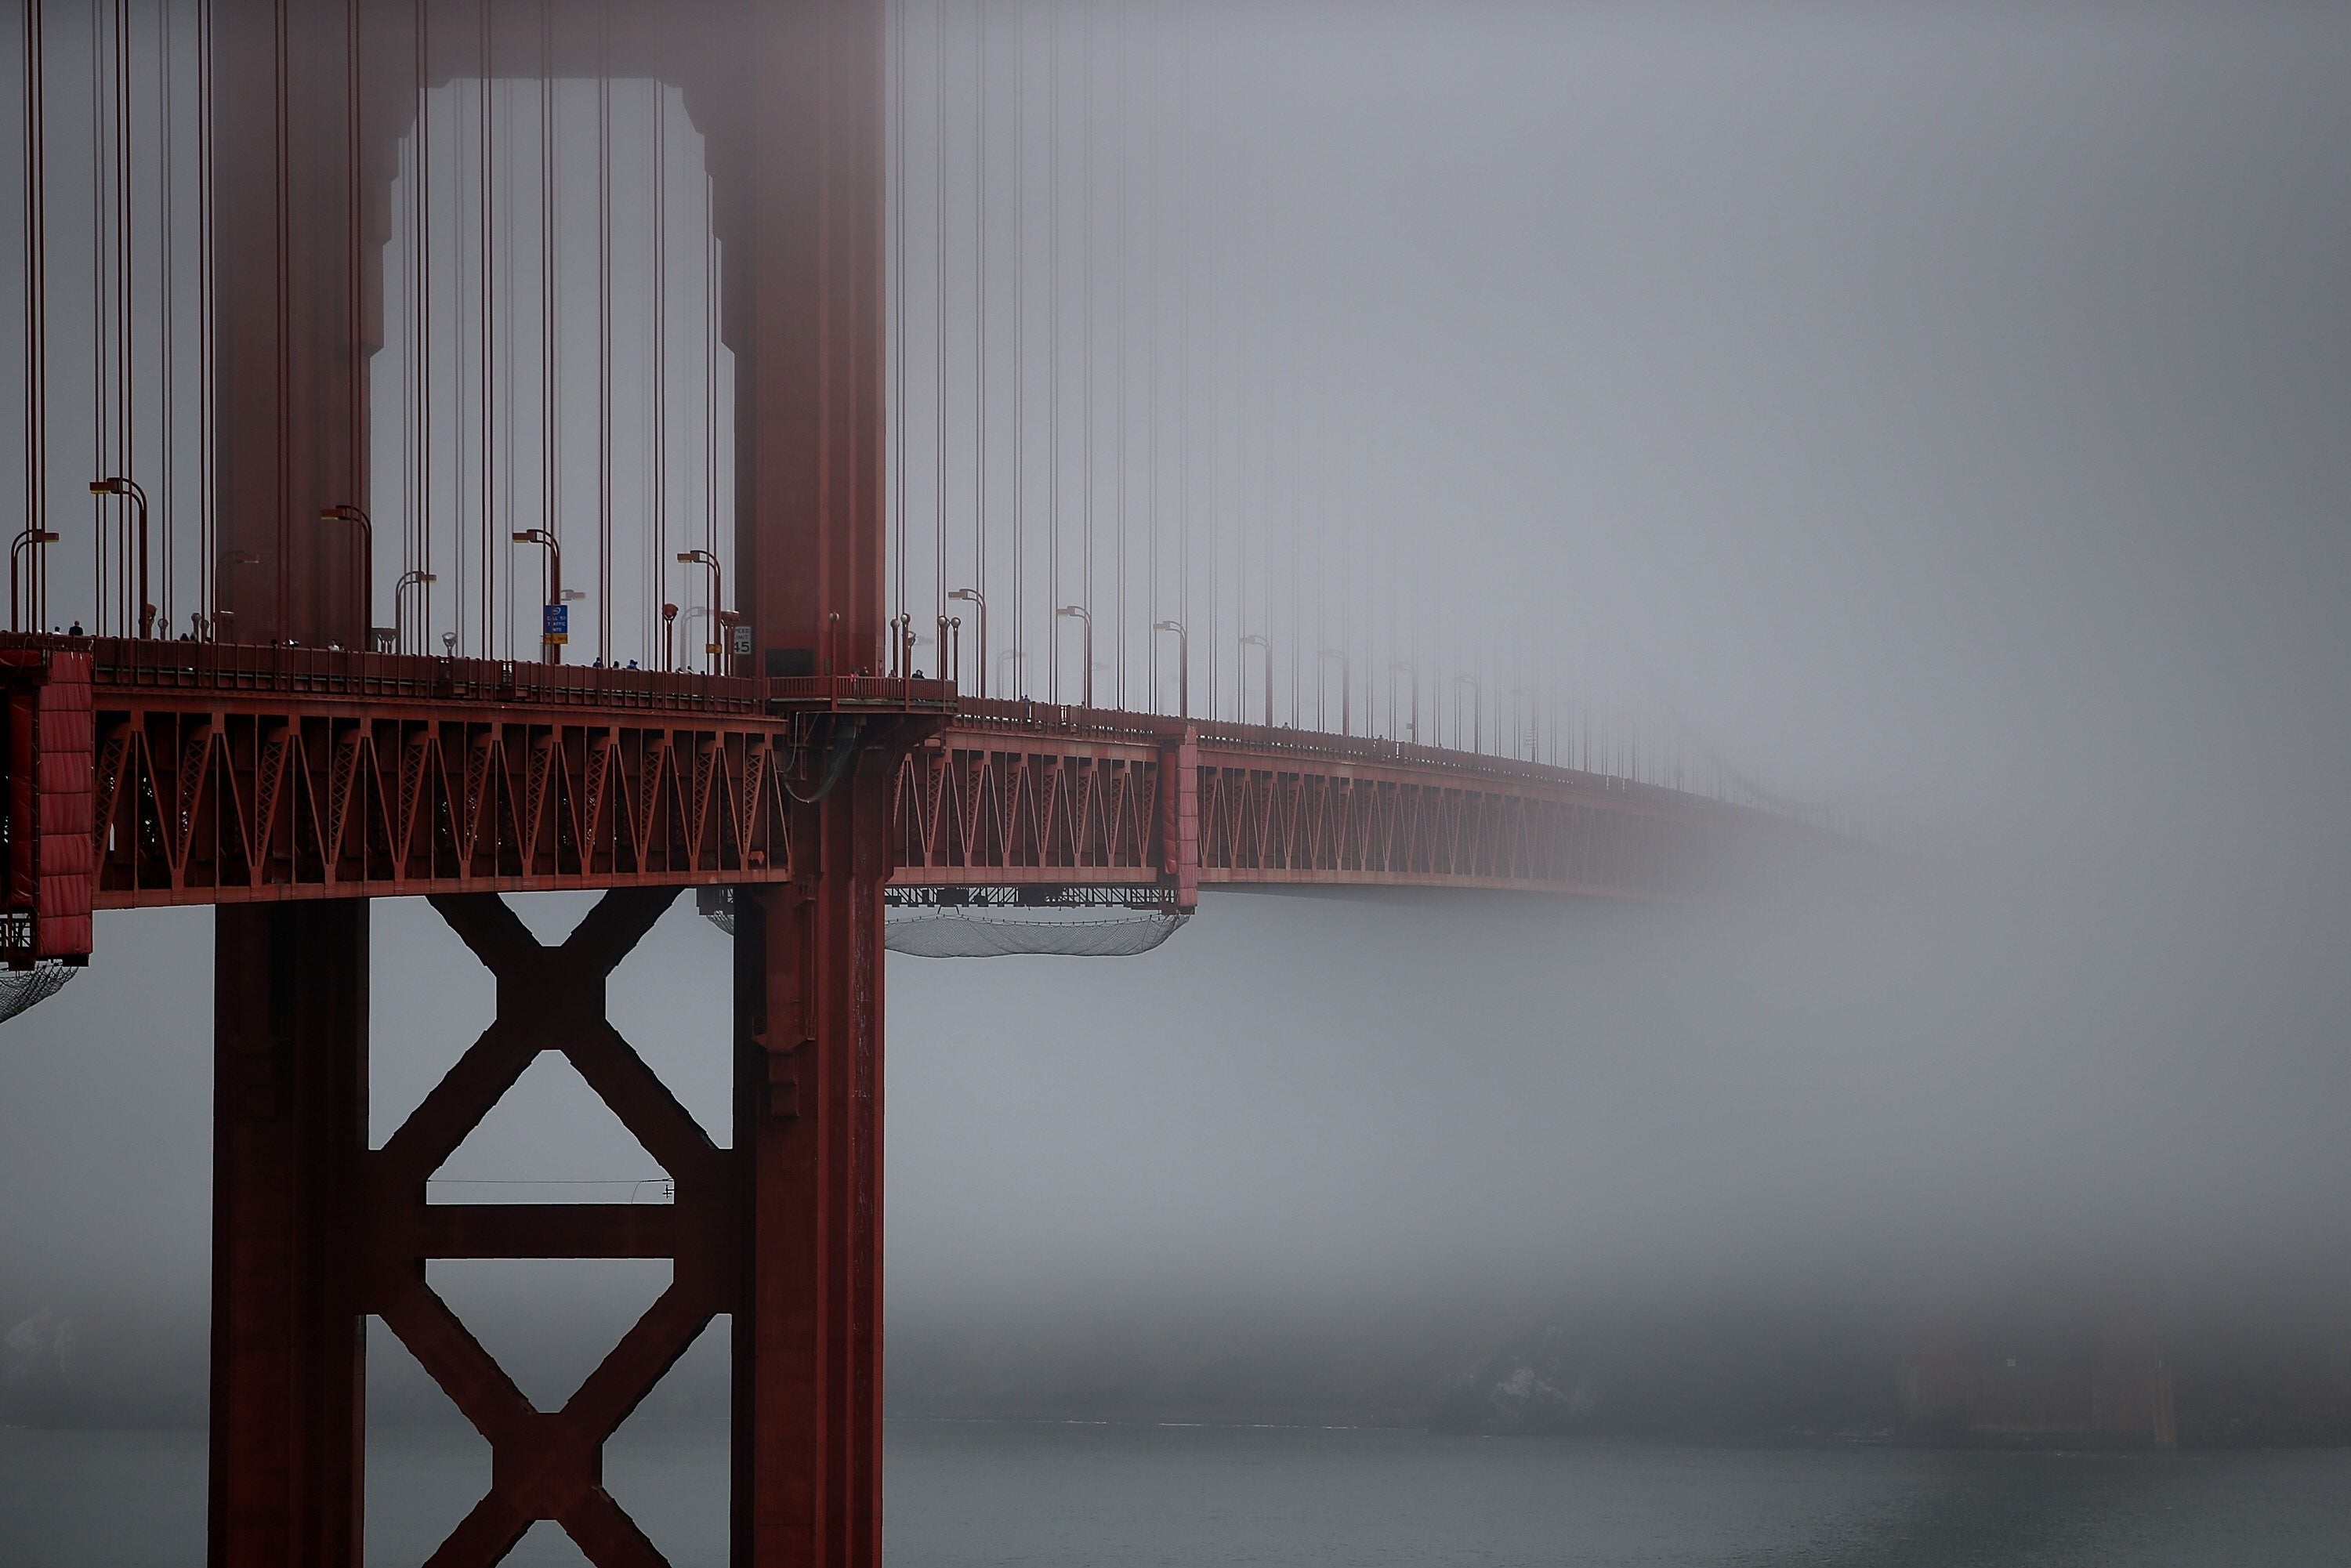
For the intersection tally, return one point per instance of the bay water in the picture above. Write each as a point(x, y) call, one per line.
point(1080, 1494)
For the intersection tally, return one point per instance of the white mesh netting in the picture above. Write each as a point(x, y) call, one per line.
point(987, 931)
point(20, 988)
point(996, 922)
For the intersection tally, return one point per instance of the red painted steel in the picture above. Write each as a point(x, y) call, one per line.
point(290, 1129)
point(46, 912)
point(1017, 794)
point(225, 774)
point(213, 774)
point(798, 167)
point(548, 1464)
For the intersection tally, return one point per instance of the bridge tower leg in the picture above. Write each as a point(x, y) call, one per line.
point(798, 170)
point(807, 1124)
point(289, 1133)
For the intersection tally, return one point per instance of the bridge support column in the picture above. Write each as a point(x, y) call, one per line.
point(808, 1126)
point(289, 1132)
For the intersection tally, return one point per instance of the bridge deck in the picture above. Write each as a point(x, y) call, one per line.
point(148, 773)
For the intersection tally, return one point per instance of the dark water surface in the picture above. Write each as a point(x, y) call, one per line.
point(962, 1494)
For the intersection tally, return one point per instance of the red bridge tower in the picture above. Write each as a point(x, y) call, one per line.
point(312, 1229)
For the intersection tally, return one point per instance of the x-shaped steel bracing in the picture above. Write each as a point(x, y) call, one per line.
point(549, 1464)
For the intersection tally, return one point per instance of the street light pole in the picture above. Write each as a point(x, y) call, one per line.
point(717, 598)
point(1533, 727)
point(122, 486)
point(1183, 664)
point(1080, 614)
point(1476, 711)
point(1415, 673)
point(400, 606)
point(550, 644)
point(28, 536)
point(1346, 686)
point(978, 603)
point(363, 580)
point(1247, 638)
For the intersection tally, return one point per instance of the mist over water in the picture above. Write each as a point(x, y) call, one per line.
point(1942, 409)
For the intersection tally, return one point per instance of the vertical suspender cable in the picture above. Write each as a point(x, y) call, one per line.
point(710, 383)
point(503, 178)
point(1086, 390)
point(551, 473)
point(604, 331)
point(1243, 372)
point(1118, 423)
point(1291, 467)
point(1186, 228)
point(126, 388)
point(939, 333)
point(466, 563)
point(486, 313)
point(979, 320)
point(1053, 344)
point(103, 319)
point(900, 119)
point(1318, 510)
point(1219, 304)
point(166, 361)
point(354, 413)
point(1154, 107)
point(1019, 336)
point(659, 400)
point(36, 348)
point(106, 323)
point(420, 266)
point(207, 538)
point(282, 150)
point(405, 239)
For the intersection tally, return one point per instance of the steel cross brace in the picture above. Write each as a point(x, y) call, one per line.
point(549, 1464)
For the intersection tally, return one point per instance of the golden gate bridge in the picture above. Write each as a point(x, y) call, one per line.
point(853, 461)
